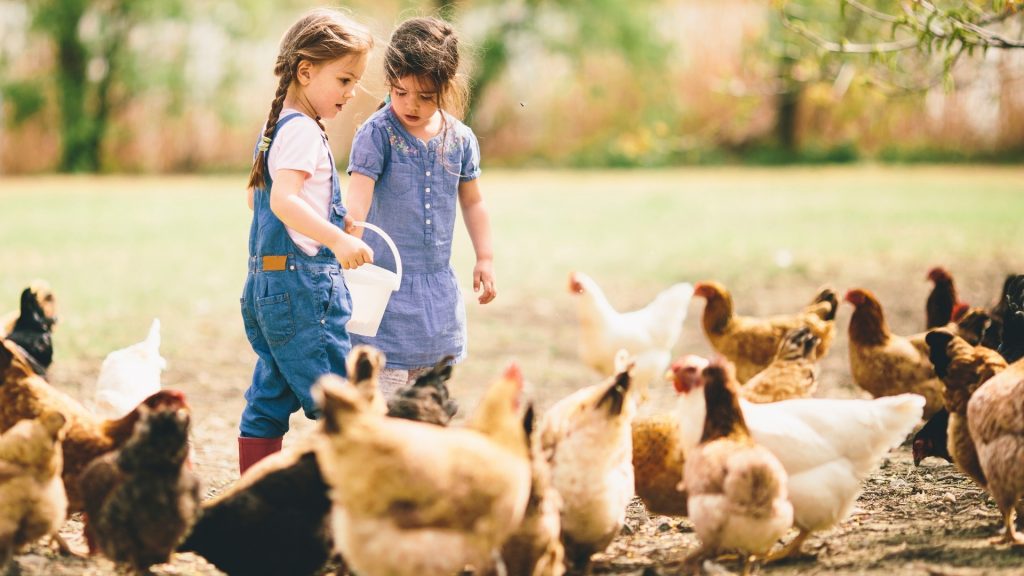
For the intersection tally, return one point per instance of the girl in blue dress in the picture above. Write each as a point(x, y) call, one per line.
point(295, 303)
point(411, 162)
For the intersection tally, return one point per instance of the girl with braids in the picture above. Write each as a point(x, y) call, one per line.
point(295, 303)
point(410, 162)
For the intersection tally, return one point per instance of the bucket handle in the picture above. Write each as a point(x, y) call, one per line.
point(390, 243)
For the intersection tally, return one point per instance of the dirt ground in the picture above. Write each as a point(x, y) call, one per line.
point(930, 520)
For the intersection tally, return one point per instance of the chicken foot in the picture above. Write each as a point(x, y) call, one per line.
point(1010, 536)
point(789, 549)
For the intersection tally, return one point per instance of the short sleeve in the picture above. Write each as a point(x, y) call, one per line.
point(368, 151)
point(470, 158)
point(297, 146)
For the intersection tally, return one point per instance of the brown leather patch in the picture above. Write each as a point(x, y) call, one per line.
point(274, 263)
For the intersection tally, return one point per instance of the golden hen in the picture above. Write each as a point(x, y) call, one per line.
point(752, 343)
point(886, 364)
point(792, 374)
point(427, 500)
point(32, 499)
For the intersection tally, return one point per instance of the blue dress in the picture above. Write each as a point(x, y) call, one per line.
point(414, 200)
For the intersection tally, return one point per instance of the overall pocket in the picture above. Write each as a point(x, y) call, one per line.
point(276, 318)
point(252, 329)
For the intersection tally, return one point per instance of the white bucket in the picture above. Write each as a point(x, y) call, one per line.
point(371, 287)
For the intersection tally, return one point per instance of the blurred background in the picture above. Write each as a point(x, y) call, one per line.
point(182, 86)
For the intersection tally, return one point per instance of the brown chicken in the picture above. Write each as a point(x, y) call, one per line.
point(32, 499)
point(141, 499)
point(886, 364)
point(792, 374)
point(427, 500)
point(736, 489)
point(658, 465)
point(962, 368)
point(995, 417)
point(943, 305)
point(751, 343)
point(24, 394)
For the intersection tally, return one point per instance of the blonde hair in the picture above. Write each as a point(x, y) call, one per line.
point(428, 48)
point(321, 35)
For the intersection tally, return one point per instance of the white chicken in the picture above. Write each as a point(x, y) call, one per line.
point(587, 439)
point(828, 447)
point(129, 375)
point(648, 334)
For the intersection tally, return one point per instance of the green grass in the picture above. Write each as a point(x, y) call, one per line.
point(120, 251)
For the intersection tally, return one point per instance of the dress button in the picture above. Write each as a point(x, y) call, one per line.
point(428, 189)
point(427, 205)
point(428, 172)
point(428, 220)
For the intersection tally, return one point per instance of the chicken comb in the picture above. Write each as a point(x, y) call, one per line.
point(514, 373)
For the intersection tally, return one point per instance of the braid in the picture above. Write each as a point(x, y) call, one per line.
point(259, 166)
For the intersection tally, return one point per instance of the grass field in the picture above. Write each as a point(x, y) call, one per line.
point(119, 251)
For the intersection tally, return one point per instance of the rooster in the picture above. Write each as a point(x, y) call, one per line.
point(828, 447)
point(587, 439)
point(32, 330)
point(886, 364)
point(648, 334)
point(142, 499)
point(751, 343)
point(129, 375)
point(33, 503)
point(736, 489)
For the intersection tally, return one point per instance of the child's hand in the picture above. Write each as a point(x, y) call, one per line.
point(483, 278)
point(351, 228)
point(352, 252)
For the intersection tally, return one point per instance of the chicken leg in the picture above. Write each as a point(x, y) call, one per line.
point(789, 549)
point(1011, 536)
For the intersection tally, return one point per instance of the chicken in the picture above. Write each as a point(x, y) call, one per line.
point(995, 418)
point(129, 375)
point(1011, 344)
point(427, 500)
point(932, 439)
point(586, 438)
point(736, 489)
point(962, 368)
point(658, 465)
point(827, 447)
point(751, 343)
point(886, 364)
point(32, 330)
point(535, 548)
point(427, 400)
point(32, 499)
point(792, 374)
point(943, 305)
point(275, 519)
point(648, 333)
point(45, 300)
point(141, 499)
point(25, 394)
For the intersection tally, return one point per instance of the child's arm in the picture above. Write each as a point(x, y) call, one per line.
point(298, 215)
point(478, 224)
point(360, 195)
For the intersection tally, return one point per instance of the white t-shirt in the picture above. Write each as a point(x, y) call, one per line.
point(299, 145)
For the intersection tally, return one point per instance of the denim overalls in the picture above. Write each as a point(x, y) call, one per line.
point(294, 308)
